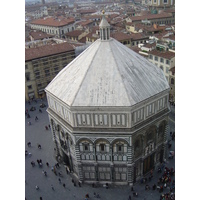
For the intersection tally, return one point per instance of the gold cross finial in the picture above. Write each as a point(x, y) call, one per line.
point(103, 11)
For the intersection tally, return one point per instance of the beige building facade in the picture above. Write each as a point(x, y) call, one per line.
point(159, 3)
point(164, 60)
point(42, 64)
point(54, 26)
point(172, 85)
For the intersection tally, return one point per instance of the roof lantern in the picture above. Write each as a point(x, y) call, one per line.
point(104, 27)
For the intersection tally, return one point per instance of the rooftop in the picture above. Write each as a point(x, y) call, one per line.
point(47, 50)
point(163, 54)
point(38, 35)
point(53, 21)
point(107, 73)
point(150, 16)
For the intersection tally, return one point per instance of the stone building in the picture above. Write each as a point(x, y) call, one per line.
point(108, 111)
point(57, 26)
point(172, 85)
point(42, 63)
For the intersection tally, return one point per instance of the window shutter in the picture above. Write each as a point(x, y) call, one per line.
point(114, 148)
point(125, 147)
point(91, 147)
point(97, 147)
point(107, 147)
point(81, 147)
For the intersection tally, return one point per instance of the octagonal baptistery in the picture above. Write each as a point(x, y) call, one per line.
point(108, 111)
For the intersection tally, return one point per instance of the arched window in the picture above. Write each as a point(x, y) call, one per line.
point(172, 81)
point(137, 145)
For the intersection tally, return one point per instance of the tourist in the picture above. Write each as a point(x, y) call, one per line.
point(29, 144)
point(52, 187)
point(36, 187)
point(32, 163)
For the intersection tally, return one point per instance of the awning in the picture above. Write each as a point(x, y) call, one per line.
point(41, 91)
point(31, 94)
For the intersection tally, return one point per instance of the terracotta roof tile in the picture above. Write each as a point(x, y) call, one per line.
point(38, 35)
point(151, 16)
point(47, 50)
point(163, 54)
point(74, 33)
point(51, 21)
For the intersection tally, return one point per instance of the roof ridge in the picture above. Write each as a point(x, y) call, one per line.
point(85, 72)
point(120, 73)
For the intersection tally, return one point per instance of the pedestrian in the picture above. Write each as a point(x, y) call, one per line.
point(47, 164)
point(52, 187)
point(79, 183)
point(29, 144)
point(40, 110)
point(46, 127)
point(129, 198)
point(49, 126)
point(28, 116)
point(36, 118)
point(32, 163)
point(63, 185)
point(29, 123)
point(36, 187)
point(59, 180)
point(39, 146)
point(40, 198)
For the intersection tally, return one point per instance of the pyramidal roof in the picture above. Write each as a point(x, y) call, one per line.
point(107, 73)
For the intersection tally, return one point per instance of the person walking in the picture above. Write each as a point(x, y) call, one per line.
point(47, 164)
point(32, 163)
point(59, 180)
point(36, 187)
point(63, 185)
point(52, 187)
point(36, 118)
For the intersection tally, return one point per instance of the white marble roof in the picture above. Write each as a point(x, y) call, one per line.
point(107, 73)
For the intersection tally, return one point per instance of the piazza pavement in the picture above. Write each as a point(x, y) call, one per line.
point(37, 134)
